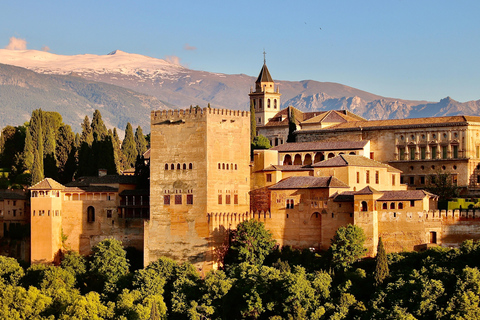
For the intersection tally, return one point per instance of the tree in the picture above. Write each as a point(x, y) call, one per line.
point(441, 184)
point(37, 172)
point(347, 246)
point(292, 125)
point(128, 147)
point(109, 263)
point(99, 130)
point(261, 142)
point(140, 142)
point(87, 134)
point(10, 271)
point(381, 268)
point(251, 243)
point(28, 153)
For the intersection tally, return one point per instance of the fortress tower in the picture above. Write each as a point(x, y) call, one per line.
point(199, 182)
point(265, 98)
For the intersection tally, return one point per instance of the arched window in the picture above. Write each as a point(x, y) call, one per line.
point(364, 206)
point(392, 205)
point(384, 205)
point(190, 166)
point(308, 160)
point(223, 166)
point(275, 104)
point(287, 160)
point(172, 167)
point(400, 205)
point(166, 166)
point(91, 214)
point(227, 166)
point(297, 160)
point(260, 104)
point(219, 166)
point(235, 166)
point(231, 166)
point(184, 166)
point(331, 155)
point(178, 166)
point(319, 156)
point(268, 103)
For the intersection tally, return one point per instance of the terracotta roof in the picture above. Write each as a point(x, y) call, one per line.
point(275, 167)
point(309, 183)
point(400, 123)
point(91, 189)
point(136, 192)
point(367, 190)
point(9, 195)
point(320, 146)
point(281, 118)
point(405, 195)
point(47, 184)
point(264, 75)
point(104, 180)
point(344, 160)
point(346, 196)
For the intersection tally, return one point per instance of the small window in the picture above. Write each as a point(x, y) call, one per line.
point(223, 166)
point(358, 177)
point(166, 166)
point(189, 198)
point(227, 166)
point(227, 199)
point(91, 214)
point(377, 177)
point(269, 177)
point(235, 166)
point(364, 206)
point(219, 166)
point(166, 199)
point(400, 205)
point(367, 176)
point(393, 179)
point(178, 166)
point(184, 166)
point(178, 199)
point(384, 206)
point(219, 199)
point(190, 166)
point(235, 199)
point(109, 213)
point(412, 203)
point(172, 167)
point(392, 205)
point(14, 202)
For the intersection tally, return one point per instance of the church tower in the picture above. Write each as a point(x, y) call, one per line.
point(265, 98)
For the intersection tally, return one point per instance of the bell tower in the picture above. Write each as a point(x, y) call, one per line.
point(265, 98)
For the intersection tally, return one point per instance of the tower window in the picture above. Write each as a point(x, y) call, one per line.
point(189, 198)
point(275, 104)
point(178, 199)
point(90, 214)
point(268, 103)
point(190, 166)
point(166, 199)
point(184, 166)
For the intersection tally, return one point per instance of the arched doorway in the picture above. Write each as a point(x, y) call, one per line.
point(319, 156)
point(298, 160)
point(287, 161)
point(308, 160)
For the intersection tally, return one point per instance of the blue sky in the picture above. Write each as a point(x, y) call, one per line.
point(418, 50)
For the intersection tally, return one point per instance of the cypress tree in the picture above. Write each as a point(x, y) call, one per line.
point(87, 134)
point(28, 151)
point(117, 151)
point(140, 142)
point(253, 123)
point(99, 130)
point(64, 152)
point(381, 268)
point(37, 172)
point(292, 126)
point(128, 147)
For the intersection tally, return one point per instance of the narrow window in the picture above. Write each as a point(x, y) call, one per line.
point(412, 153)
point(372, 155)
point(109, 213)
point(219, 166)
point(166, 199)
point(235, 199)
point(433, 237)
point(91, 214)
point(227, 166)
point(393, 179)
point(444, 152)
point(400, 205)
point(367, 179)
point(178, 166)
point(269, 177)
point(235, 166)
point(364, 206)
point(184, 166)
point(358, 177)
point(434, 152)
point(166, 166)
point(190, 166)
point(455, 152)
point(422, 180)
point(402, 153)
point(172, 167)
point(223, 166)
point(227, 199)
point(384, 206)
point(377, 178)
point(189, 198)
point(412, 180)
point(412, 203)
point(392, 205)
point(178, 199)
point(423, 153)
point(219, 199)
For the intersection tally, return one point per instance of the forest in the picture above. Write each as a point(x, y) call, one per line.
point(46, 147)
point(257, 280)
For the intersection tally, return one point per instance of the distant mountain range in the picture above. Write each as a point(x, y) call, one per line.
point(126, 87)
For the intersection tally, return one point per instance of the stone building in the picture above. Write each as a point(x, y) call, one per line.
point(199, 182)
point(15, 219)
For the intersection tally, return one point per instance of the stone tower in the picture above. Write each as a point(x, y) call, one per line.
point(46, 221)
point(199, 182)
point(265, 98)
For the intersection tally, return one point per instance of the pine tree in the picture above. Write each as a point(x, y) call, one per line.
point(117, 151)
point(87, 134)
point(381, 268)
point(140, 142)
point(253, 123)
point(128, 147)
point(292, 126)
point(99, 130)
point(36, 126)
point(28, 153)
point(64, 152)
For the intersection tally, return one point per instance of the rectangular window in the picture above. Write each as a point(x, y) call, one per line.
point(377, 177)
point(477, 151)
point(412, 153)
point(478, 180)
point(372, 155)
point(412, 203)
point(402, 153)
point(393, 179)
point(235, 199)
point(269, 177)
point(444, 152)
point(14, 212)
point(219, 199)
point(367, 179)
point(412, 180)
point(423, 153)
point(189, 198)
point(454, 180)
point(434, 152)
point(227, 199)
point(178, 199)
point(422, 180)
point(455, 152)
point(166, 199)
point(358, 177)
point(109, 213)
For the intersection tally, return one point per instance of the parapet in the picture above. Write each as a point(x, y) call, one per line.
point(162, 115)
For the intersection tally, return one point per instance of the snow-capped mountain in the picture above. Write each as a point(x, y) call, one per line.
point(180, 87)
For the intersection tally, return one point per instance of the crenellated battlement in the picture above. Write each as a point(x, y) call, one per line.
point(162, 115)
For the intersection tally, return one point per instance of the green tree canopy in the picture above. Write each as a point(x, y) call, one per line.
point(347, 246)
point(129, 148)
point(381, 267)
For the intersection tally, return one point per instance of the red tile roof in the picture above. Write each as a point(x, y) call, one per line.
point(309, 183)
point(320, 146)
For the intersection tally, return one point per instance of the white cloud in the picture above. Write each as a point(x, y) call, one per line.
point(173, 59)
point(46, 49)
point(189, 47)
point(16, 44)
